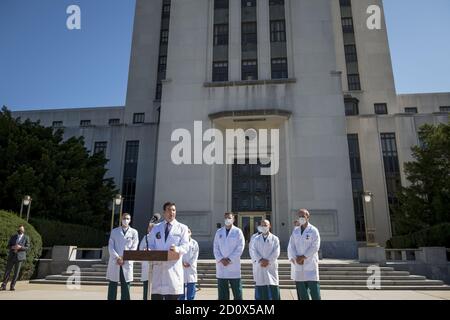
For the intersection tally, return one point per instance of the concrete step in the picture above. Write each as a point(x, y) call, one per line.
point(249, 280)
point(282, 286)
point(281, 275)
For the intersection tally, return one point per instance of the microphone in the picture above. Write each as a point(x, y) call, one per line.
point(156, 217)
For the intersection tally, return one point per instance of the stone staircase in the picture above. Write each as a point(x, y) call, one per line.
point(334, 275)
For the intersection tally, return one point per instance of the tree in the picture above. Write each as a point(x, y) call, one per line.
point(426, 201)
point(64, 180)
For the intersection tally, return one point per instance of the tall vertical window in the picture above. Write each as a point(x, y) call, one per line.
point(391, 167)
point(138, 118)
point(100, 147)
point(380, 108)
point(357, 186)
point(249, 70)
point(351, 55)
point(351, 106)
point(163, 46)
point(129, 176)
point(220, 40)
point(249, 40)
point(278, 49)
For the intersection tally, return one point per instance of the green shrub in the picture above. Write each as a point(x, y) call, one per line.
point(436, 236)
point(64, 234)
point(8, 227)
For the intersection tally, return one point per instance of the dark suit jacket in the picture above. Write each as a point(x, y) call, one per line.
point(21, 255)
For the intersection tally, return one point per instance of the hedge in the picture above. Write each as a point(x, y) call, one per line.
point(9, 223)
point(65, 234)
point(436, 236)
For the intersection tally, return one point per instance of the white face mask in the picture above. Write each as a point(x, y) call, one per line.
point(302, 221)
point(125, 222)
point(228, 222)
point(263, 229)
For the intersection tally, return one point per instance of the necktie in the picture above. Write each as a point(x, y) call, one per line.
point(168, 227)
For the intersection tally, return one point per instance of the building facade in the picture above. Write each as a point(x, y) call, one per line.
point(310, 68)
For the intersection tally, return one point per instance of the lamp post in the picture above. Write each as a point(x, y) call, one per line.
point(26, 201)
point(117, 201)
point(369, 219)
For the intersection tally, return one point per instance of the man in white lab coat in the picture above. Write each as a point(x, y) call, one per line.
point(190, 269)
point(264, 252)
point(121, 239)
point(168, 276)
point(303, 253)
point(144, 246)
point(229, 244)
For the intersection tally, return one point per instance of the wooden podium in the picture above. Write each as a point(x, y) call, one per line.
point(150, 256)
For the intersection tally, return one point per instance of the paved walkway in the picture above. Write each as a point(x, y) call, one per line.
point(27, 291)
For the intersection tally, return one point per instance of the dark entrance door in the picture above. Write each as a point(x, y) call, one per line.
point(251, 196)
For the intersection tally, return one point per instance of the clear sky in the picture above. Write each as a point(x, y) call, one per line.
point(44, 65)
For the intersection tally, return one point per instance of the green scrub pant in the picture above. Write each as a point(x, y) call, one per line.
point(307, 288)
point(124, 288)
point(268, 292)
point(224, 288)
point(145, 285)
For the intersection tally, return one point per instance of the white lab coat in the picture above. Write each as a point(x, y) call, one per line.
point(191, 257)
point(145, 265)
point(269, 250)
point(168, 276)
point(229, 247)
point(308, 245)
point(253, 265)
point(118, 242)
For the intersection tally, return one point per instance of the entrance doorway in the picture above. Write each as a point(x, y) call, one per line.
point(251, 197)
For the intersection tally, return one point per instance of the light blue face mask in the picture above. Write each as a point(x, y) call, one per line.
point(302, 221)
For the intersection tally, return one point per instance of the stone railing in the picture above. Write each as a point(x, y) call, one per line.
point(55, 260)
point(431, 262)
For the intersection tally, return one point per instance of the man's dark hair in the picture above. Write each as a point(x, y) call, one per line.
point(168, 204)
point(228, 214)
point(126, 214)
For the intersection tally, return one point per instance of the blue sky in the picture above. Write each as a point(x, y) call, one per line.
point(43, 65)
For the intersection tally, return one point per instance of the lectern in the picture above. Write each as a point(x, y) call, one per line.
point(150, 256)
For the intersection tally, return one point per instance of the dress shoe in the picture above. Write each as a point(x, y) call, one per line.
point(12, 289)
point(2, 288)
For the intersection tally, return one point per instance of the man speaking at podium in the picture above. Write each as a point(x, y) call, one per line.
point(168, 276)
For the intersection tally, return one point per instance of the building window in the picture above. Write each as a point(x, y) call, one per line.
point(100, 147)
point(347, 25)
point(279, 68)
point(166, 11)
point(220, 34)
point(220, 71)
point(158, 91)
point(249, 35)
point(380, 108)
point(344, 3)
point(249, 70)
point(277, 31)
point(276, 2)
point(351, 106)
point(354, 83)
point(391, 167)
point(129, 175)
point(164, 36)
point(248, 3)
point(57, 124)
point(162, 65)
point(444, 108)
point(85, 123)
point(357, 185)
point(220, 4)
point(350, 53)
point(411, 110)
point(138, 118)
point(114, 122)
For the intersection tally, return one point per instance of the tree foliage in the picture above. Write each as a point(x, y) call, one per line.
point(425, 201)
point(65, 182)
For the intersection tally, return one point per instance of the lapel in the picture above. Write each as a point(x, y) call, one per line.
point(308, 228)
point(14, 241)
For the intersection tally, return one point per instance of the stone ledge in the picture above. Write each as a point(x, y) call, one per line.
point(248, 83)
